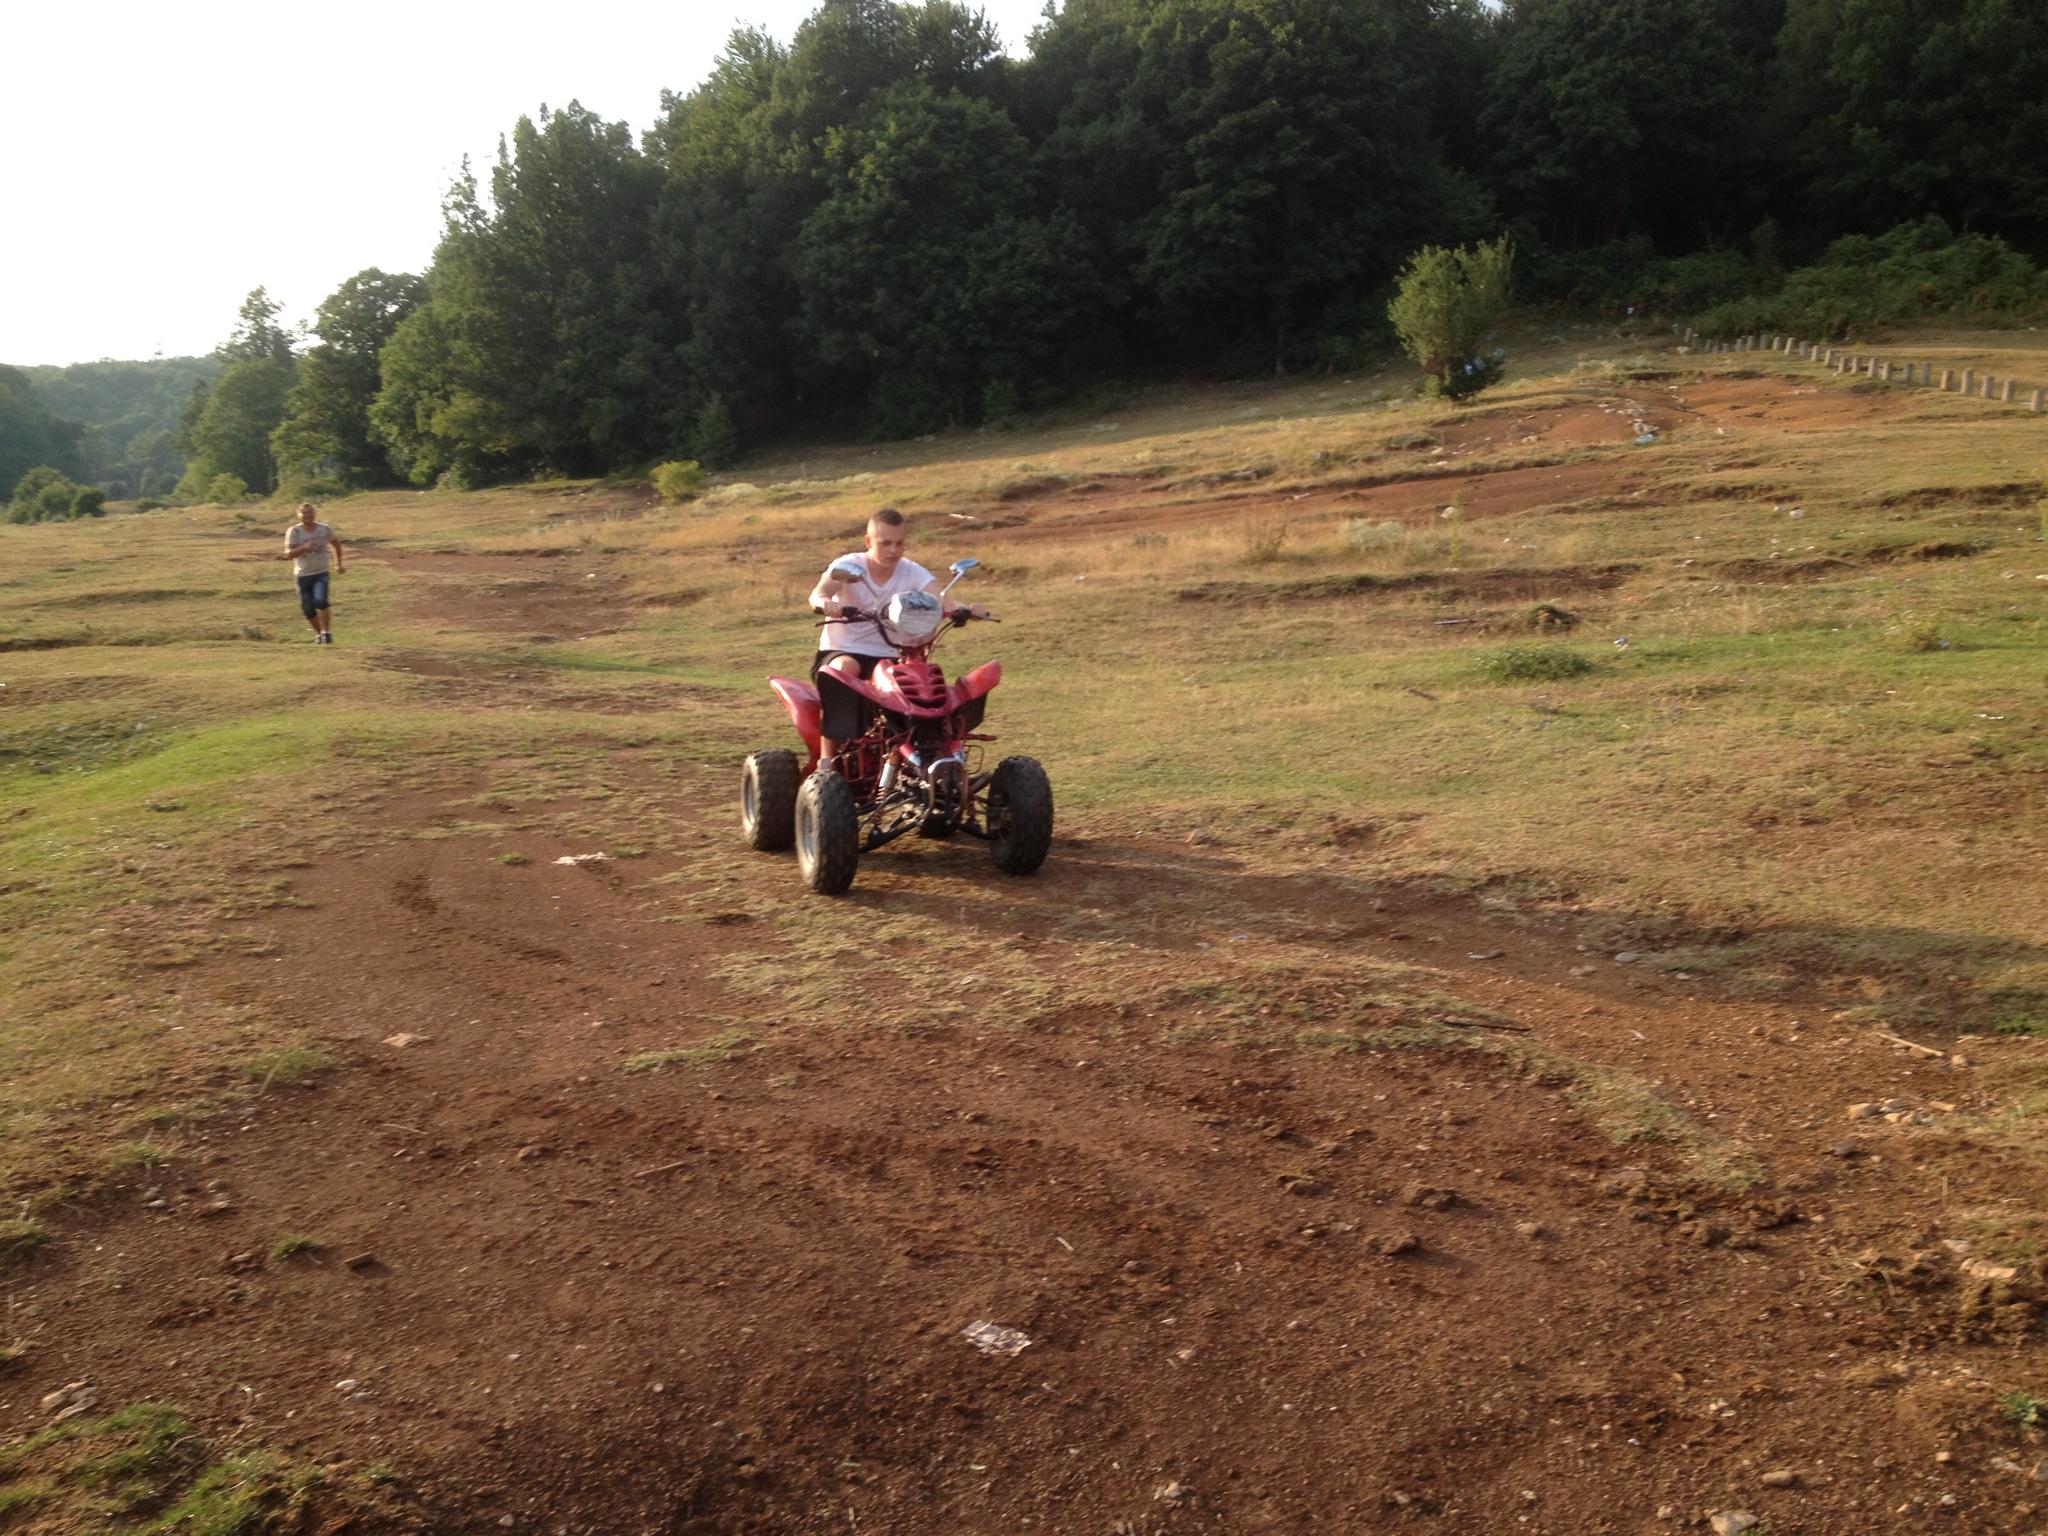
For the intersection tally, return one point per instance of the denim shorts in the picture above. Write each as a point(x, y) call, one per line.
point(312, 593)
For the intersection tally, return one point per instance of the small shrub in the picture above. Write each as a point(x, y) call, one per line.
point(1363, 533)
point(295, 1245)
point(1264, 539)
point(90, 501)
point(150, 504)
point(1550, 616)
point(41, 494)
point(225, 490)
point(1915, 635)
point(2024, 1409)
point(679, 480)
point(1447, 305)
point(1533, 664)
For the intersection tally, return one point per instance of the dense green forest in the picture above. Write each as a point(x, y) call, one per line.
point(886, 225)
point(123, 418)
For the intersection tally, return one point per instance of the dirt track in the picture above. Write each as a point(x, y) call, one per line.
point(1268, 1288)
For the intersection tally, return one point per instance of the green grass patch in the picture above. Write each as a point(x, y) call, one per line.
point(289, 1065)
point(20, 1237)
point(2023, 1410)
point(296, 1245)
point(717, 1051)
point(1532, 664)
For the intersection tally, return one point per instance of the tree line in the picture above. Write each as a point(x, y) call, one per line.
point(885, 224)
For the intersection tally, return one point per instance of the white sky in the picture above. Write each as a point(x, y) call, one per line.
point(162, 160)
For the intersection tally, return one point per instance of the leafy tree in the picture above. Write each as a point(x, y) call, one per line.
point(232, 433)
point(546, 342)
point(257, 337)
point(1611, 116)
point(224, 490)
point(1902, 108)
point(1251, 167)
point(326, 430)
point(1447, 304)
point(928, 271)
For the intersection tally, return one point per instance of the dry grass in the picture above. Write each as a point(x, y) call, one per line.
point(1763, 752)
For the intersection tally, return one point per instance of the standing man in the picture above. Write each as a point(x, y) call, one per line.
point(306, 544)
point(850, 648)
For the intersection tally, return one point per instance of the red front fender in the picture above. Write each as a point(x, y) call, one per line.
point(801, 700)
point(978, 683)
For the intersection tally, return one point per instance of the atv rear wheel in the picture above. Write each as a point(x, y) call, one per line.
point(827, 833)
point(768, 800)
point(1019, 815)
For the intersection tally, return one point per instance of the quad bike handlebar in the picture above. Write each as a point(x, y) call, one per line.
point(955, 616)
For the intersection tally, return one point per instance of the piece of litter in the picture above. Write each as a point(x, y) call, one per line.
point(994, 1339)
point(578, 860)
point(1063, 1243)
point(1485, 954)
point(400, 1041)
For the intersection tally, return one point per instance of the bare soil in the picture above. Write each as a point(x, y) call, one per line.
point(1267, 1287)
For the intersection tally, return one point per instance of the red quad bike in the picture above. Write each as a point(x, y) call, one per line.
point(916, 769)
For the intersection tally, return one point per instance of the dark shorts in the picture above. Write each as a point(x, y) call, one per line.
point(312, 593)
point(846, 713)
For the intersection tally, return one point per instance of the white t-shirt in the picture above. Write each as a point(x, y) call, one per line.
point(308, 547)
point(865, 637)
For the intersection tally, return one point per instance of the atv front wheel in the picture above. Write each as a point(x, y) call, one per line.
point(1019, 815)
point(768, 800)
point(827, 833)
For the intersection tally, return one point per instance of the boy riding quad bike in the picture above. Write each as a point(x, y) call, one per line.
point(915, 766)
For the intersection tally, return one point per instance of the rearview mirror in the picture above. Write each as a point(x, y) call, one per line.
point(847, 571)
point(962, 567)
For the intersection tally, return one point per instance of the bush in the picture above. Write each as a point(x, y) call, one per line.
point(1447, 305)
point(226, 490)
point(90, 501)
point(41, 495)
point(1364, 533)
point(1914, 271)
point(678, 480)
point(714, 441)
point(1533, 664)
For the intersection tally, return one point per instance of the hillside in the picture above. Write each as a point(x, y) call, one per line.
point(1533, 1019)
